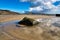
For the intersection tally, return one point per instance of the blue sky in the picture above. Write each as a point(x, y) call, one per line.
point(56, 3)
point(44, 6)
point(14, 5)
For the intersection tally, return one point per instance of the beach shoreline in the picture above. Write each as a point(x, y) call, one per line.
point(5, 18)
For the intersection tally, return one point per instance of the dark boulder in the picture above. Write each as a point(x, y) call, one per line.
point(28, 21)
point(57, 15)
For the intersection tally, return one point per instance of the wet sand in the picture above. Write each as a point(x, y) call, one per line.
point(9, 30)
point(4, 18)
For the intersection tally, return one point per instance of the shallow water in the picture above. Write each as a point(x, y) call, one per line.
point(8, 24)
point(9, 29)
point(54, 21)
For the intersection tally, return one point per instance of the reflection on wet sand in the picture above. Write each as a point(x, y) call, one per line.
point(9, 30)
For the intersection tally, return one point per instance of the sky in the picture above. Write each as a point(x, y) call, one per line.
point(45, 6)
point(14, 5)
point(35, 6)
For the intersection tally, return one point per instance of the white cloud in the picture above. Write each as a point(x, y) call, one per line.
point(38, 8)
point(35, 1)
point(41, 5)
point(53, 0)
point(48, 4)
point(30, 9)
point(22, 11)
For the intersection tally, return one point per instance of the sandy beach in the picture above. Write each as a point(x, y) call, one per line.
point(4, 18)
point(10, 31)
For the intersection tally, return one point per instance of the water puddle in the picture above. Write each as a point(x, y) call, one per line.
point(53, 21)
